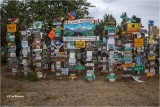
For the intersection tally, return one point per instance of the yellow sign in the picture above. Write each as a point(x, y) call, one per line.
point(151, 57)
point(151, 41)
point(11, 28)
point(128, 65)
point(138, 40)
point(80, 44)
point(132, 27)
point(62, 53)
point(138, 44)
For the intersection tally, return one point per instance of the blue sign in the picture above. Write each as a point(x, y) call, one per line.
point(150, 23)
point(128, 59)
point(104, 40)
point(138, 60)
point(58, 42)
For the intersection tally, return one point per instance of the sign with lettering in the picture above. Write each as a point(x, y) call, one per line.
point(138, 68)
point(128, 65)
point(82, 38)
point(11, 28)
point(80, 44)
point(151, 57)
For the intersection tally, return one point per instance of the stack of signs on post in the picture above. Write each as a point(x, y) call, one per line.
point(128, 58)
point(45, 62)
point(36, 53)
point(111, 28)
point(152, 51)
point(89, 66)
point(25, 51)
point(138, 44)
point(12, 59)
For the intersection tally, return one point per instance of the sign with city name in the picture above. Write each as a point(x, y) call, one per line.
point(128, 65)
point(82, 38)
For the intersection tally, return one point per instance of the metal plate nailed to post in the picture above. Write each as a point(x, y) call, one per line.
point(80, 44)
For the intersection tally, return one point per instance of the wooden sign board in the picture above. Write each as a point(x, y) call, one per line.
point(128, 65)
point(138, 44)
point(138, 40)
point(58, 28)
point(11, 28)
point(151, 57)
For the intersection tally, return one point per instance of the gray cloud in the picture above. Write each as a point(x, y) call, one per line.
point(144, 9)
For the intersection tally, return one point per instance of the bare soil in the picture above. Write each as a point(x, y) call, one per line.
point(78, 92)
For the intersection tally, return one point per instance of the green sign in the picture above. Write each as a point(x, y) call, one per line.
point(111, 76)
point(109, 28)
point(116, 57)
point(58, 32)
point(90, 77)
point(127, 49)
point(80, 67)
point(138, 68)
point(72, 43)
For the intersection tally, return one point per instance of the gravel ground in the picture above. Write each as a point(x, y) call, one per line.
point(78, 92)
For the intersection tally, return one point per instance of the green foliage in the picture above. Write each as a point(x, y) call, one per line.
point(3, 59)
point(32, 76)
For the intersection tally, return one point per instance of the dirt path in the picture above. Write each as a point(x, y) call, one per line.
point(78, 93)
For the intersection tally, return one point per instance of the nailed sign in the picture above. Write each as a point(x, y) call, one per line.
point(128, 65)
point(80, 44)
point(11, 28)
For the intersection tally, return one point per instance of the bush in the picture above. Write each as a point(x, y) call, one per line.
point(32, 76)
point(3, 59)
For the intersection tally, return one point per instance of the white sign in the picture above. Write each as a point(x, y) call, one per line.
point(82, 38)
point(24, 44)
point(37, 25)
point(23, 33)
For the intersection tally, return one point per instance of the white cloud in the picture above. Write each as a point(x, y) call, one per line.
point(144, 9)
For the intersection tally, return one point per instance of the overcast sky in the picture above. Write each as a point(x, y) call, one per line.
point(144, 9)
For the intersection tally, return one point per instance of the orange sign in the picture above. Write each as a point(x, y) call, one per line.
point(138, 40)
point(149, 74)
point(128, 65)
point(138, 44)
point(11, 28)
point(132, 27)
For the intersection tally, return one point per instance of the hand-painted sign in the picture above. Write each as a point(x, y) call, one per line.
point(80, 44)
point(11, 28)
point(81, 27)
point(132, 27)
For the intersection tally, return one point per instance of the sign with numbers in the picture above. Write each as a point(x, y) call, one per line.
point(80, 44)
point(138, 68)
